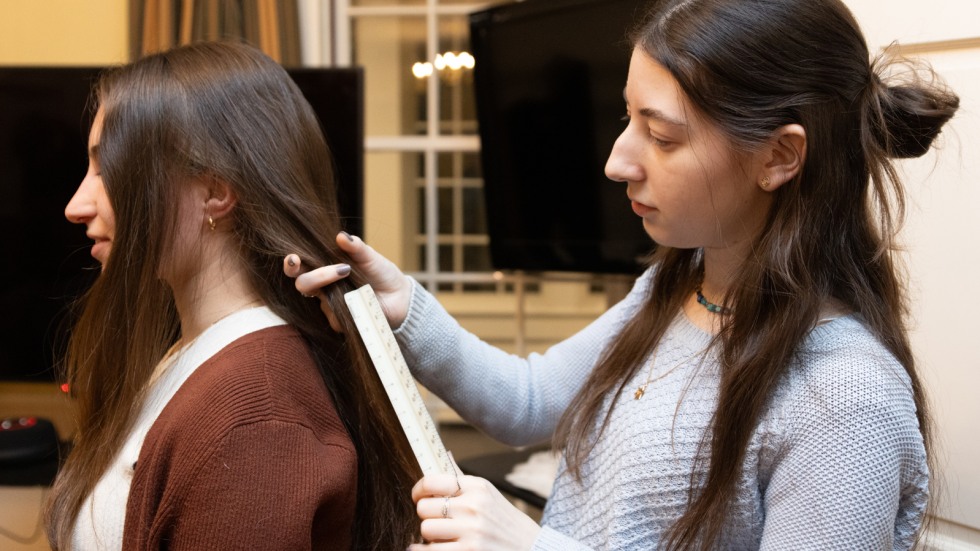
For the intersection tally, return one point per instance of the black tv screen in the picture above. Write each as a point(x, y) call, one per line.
point(43, 136)
point(549, 80)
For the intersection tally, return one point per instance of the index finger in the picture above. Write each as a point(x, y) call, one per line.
point(440, 485)
point(310, 283)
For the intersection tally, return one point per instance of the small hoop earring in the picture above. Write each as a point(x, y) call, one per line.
point(211, 223)
point(765, 183)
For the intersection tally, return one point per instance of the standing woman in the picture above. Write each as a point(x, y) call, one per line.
point(756, 388)
point(213, 410)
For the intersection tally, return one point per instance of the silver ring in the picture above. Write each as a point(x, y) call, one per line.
point(459, 489)
point(445, 507)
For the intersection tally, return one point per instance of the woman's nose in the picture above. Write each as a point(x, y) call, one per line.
point(622, 165)
point(82, 208)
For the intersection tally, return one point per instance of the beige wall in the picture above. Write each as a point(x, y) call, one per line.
point(63, 32)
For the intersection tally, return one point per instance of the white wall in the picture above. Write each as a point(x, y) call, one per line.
point(942, 237)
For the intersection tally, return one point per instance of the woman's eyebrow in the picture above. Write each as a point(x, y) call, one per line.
point(659, 115)
point(656, 114)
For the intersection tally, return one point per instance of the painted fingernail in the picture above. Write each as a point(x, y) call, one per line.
point(343, 270)
point(348, 236)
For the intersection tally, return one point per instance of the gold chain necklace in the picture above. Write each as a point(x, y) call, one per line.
point(642, 389)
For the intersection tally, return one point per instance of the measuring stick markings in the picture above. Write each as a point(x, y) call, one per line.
point(402, 391)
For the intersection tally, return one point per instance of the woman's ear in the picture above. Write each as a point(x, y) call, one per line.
point(219, 197)
point(785, 155)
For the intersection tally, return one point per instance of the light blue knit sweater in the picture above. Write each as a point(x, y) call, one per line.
point(836, 462)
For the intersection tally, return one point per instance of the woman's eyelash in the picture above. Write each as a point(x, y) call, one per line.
point(653, 139)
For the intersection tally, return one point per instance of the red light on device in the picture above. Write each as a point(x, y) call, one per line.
point(64, 388)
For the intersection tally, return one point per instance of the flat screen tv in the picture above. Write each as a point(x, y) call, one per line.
point(43, 136)
point(549, 80)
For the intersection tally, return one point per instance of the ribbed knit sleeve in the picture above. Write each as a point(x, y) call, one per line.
point(516, 400)
point(249, 454)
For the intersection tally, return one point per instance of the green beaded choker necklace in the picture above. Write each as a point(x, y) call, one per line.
point(710, 306)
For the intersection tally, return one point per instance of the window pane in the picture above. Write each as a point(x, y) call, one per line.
point(421, 256)
point(420, 201)
point(387, 48)
point(446, 213)
point(447, 258)
point(457, 103)
point(474, 211)
point(447, 165)
point(471, 165)
point(476, 258)
point(391, 205)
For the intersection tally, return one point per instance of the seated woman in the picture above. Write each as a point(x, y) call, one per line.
point(213, 410)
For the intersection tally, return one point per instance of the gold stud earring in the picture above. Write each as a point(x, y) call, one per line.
point(211, 223)
point(765, 183)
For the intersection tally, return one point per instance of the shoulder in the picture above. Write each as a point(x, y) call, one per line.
point(645, 280)
point(263, 378)
point(844, 376)
point(273, 364)
point(272, 348)
point(844, 356)
point(257, 418)
point(844, 442)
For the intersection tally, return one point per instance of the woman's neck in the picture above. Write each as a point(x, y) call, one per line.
point(216, 291)
point(720, 267)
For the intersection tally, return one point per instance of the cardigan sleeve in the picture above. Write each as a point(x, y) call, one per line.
point(266, 485)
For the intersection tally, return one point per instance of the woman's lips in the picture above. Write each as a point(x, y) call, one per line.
point(640, 209)
point(100, 249)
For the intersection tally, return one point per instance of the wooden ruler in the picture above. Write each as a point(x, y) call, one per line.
point(398, 382)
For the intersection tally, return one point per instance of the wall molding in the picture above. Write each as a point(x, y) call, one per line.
point(918, 48)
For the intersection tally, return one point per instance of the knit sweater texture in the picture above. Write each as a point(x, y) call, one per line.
point(837, 460)
point(248, 453)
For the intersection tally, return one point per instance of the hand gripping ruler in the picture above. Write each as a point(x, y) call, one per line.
point(398, 382)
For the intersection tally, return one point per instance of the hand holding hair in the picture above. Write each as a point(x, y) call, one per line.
point(393, 288)
point(470, 512)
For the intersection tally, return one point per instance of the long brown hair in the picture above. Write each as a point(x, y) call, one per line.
point(750, 67)
point(225, 111)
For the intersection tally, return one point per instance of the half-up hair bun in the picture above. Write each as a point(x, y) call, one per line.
point(906, 117)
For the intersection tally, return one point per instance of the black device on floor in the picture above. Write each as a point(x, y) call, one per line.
point(29, 451)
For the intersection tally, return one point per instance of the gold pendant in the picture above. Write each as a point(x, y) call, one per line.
point(640, 391)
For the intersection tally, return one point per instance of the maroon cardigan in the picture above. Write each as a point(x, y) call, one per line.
point(249, 454)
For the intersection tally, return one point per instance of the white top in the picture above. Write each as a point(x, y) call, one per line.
point(100, 521)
